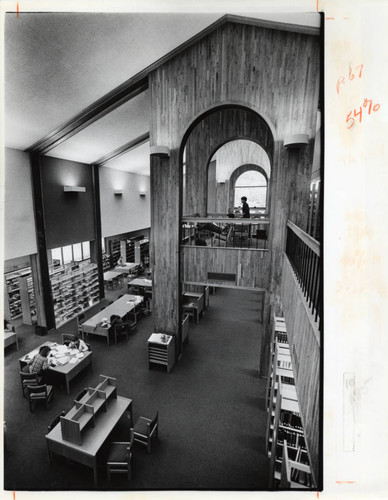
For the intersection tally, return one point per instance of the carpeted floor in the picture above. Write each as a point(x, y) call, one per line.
point(212, 417)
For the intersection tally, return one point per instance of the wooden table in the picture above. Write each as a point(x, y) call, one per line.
point(111, 277)
point(120, 307)
point(141, 282)
point(67, 371)
point(92, 439)
point(127, 267)
point(10, 338)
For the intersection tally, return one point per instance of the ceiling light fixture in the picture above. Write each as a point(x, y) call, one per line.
point(74, 189)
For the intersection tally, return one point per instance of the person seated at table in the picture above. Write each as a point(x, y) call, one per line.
point(40, 362)
point(8, 327)
point(120, 262)
point(116, 320)
point(78, 343)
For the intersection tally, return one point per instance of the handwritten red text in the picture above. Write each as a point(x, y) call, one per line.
point(351, 76)
point(358, 113)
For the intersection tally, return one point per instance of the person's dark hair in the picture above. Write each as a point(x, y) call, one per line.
point(244, 198)
point(44, 350)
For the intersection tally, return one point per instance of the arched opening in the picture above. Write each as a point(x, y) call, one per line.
point(226, 165)
point(205, 136)
point(253, 185)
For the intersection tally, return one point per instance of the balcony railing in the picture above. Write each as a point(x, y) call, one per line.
point(303, 252)
point(225, 232)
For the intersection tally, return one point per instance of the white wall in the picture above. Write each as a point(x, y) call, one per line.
point(19, 221)
point(129, 212)
point(239, 152)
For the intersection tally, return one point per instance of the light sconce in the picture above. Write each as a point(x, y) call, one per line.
point(160, 151)
point(142, 195)
point(296, 141)
point(118, 193)
point(74, 189)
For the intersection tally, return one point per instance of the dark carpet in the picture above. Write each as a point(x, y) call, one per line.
point(212, 418)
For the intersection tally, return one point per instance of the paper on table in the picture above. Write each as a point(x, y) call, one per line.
point(63, 360)
point(79, 355)
point(72, 361)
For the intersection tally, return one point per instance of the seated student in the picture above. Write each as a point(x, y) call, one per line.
point(116, 320)
point(8, 327)
point(79, 344)
point(40, 361)
point(120, 262)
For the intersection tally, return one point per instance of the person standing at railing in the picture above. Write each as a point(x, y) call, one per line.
point(245, 208)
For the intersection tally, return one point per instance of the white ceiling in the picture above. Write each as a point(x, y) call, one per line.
point(118, 127)
point(58, 64)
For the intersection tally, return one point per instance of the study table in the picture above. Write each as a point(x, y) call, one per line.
point(142, 283)
point(76, 361)
point(10, 338)
point(126, 268)
point(93, 437)
point(99, 323)
point(111, 276)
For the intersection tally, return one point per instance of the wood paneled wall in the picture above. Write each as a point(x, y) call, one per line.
point(274, 73)
point(277, 72)
point(251, 267)
point(216, 129)
point(164, 250)
point(305, 350)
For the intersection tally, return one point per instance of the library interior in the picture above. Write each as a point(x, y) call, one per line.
point(162, 274)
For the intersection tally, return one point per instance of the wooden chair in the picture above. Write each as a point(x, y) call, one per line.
point(119, 458)
point(67, 338)
point(145, 429)
point(56, 421)
point(120, 330)
point(29, 379)
point(80, 320)
point(39, 392)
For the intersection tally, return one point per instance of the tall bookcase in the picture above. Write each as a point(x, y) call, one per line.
point(286, 445)
point(73, 291)
point(114, 250)
point(142, 251)
point(128, 250)
point(19, 298)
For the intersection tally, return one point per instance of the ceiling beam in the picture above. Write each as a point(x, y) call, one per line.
point(139, 83)
point(123, 149)
point(118, 96)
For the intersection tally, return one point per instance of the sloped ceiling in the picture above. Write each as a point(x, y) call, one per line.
point(58, 64)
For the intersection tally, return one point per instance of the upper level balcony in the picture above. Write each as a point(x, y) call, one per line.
point(226, 232)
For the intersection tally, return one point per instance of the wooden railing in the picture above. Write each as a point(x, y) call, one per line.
point(303, 252)
point(225, 232)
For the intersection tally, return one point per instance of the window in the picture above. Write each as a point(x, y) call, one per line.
point(253, 185)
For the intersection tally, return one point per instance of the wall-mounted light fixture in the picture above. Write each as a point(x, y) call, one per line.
point(118, 193)
point(296, 141)
point(142, 194)
point(161, 151)
point(74, 189)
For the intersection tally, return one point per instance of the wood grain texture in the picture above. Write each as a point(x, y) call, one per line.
point(273, 76)
point(216, 129)
point(251, 267)
point(305, 352)
point(164, 246)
